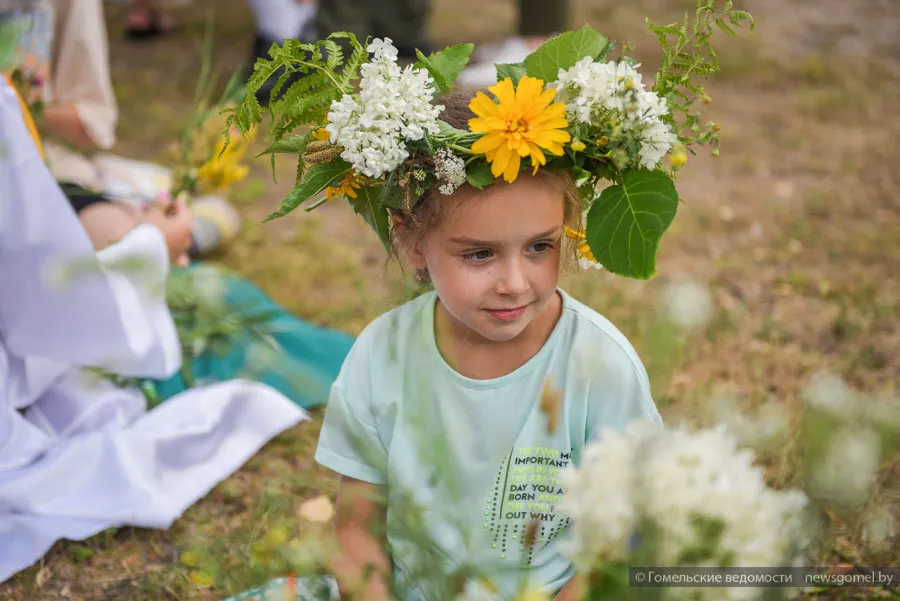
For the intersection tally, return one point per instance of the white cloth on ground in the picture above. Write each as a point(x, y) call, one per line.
point(78, 455)
point(280, 20)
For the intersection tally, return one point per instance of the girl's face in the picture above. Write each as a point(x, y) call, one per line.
point(494, 258)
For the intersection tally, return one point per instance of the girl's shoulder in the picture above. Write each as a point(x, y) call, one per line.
point(592, 333)
point(388, 330)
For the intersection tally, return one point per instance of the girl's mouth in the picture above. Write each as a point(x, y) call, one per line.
point(507, 315)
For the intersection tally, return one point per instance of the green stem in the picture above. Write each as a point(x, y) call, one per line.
point(326, 72)
point(461, 149)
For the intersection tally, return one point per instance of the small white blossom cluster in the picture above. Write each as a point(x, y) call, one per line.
point(668, 479)
point(600, 92)
point(450, 170)
point(393, 107)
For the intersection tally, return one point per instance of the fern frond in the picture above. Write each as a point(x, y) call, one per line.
point(350, 72)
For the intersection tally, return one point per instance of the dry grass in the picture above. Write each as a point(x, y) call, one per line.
point(796, 229)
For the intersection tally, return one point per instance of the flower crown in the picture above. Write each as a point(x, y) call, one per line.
point(376, 136)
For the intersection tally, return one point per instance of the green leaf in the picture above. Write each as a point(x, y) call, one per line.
point(446, 65)
point(563, 51)
point(292, 145)
point(514, 71)
point(316, 179)
point(10, 32)
point(368, 206)
point(625, 224)
point(480, 176)
point(392, 194)
point(445, 129)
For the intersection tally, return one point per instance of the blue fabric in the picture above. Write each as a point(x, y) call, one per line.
point(306, 366)
point(310, 588)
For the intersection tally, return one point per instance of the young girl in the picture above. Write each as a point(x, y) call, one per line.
point(474, 396)
point(454, 415)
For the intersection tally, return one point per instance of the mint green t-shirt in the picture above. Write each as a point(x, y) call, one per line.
point(480, 458)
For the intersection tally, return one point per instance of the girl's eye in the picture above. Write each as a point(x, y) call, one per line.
point(540, 247)
point(478, 255)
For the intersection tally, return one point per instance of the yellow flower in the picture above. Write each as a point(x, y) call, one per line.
point(348, 186)
point(224, 169)
point(578, 146)
point(522, 122)
point(321, 135)
point(678, 157)
point(583, 250)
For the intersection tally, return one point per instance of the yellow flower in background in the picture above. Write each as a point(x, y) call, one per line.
point(348, 186)
point(224, 169)
point(678, 157)
point(522, 122)
point(578, 146)
point(583, 249)
point(321, 135)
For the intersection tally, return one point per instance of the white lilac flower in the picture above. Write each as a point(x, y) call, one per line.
point(393, 107)
point(588, 264)
point(670, 478)
point(613, 93)
point(450, 171)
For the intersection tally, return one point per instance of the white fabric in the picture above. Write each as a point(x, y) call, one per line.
point(484, 74)
point(279, 20)
point(78, 455)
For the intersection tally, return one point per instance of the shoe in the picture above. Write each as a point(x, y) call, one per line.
point(513, 50)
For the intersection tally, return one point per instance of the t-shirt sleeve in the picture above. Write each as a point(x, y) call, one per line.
point(350, 443)
point(620, 394)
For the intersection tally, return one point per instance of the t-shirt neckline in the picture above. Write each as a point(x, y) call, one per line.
point(431, 343)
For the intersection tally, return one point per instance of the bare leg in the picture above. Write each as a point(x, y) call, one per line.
point(147, 15)
point(108, 222)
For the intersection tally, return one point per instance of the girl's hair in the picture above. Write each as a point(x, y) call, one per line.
point(433, 206)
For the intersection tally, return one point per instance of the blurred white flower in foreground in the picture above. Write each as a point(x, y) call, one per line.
point(687, 303)
point(848, 468)
point(883, 411)
point(697, 492)
point(827, 392)
point(764, 429)
point(879, 529)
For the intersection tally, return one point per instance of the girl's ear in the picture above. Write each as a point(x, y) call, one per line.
point(407, 240)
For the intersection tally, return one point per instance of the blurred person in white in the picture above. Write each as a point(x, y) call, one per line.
point(65, 58)
point(538, 21)
point(79, 455)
